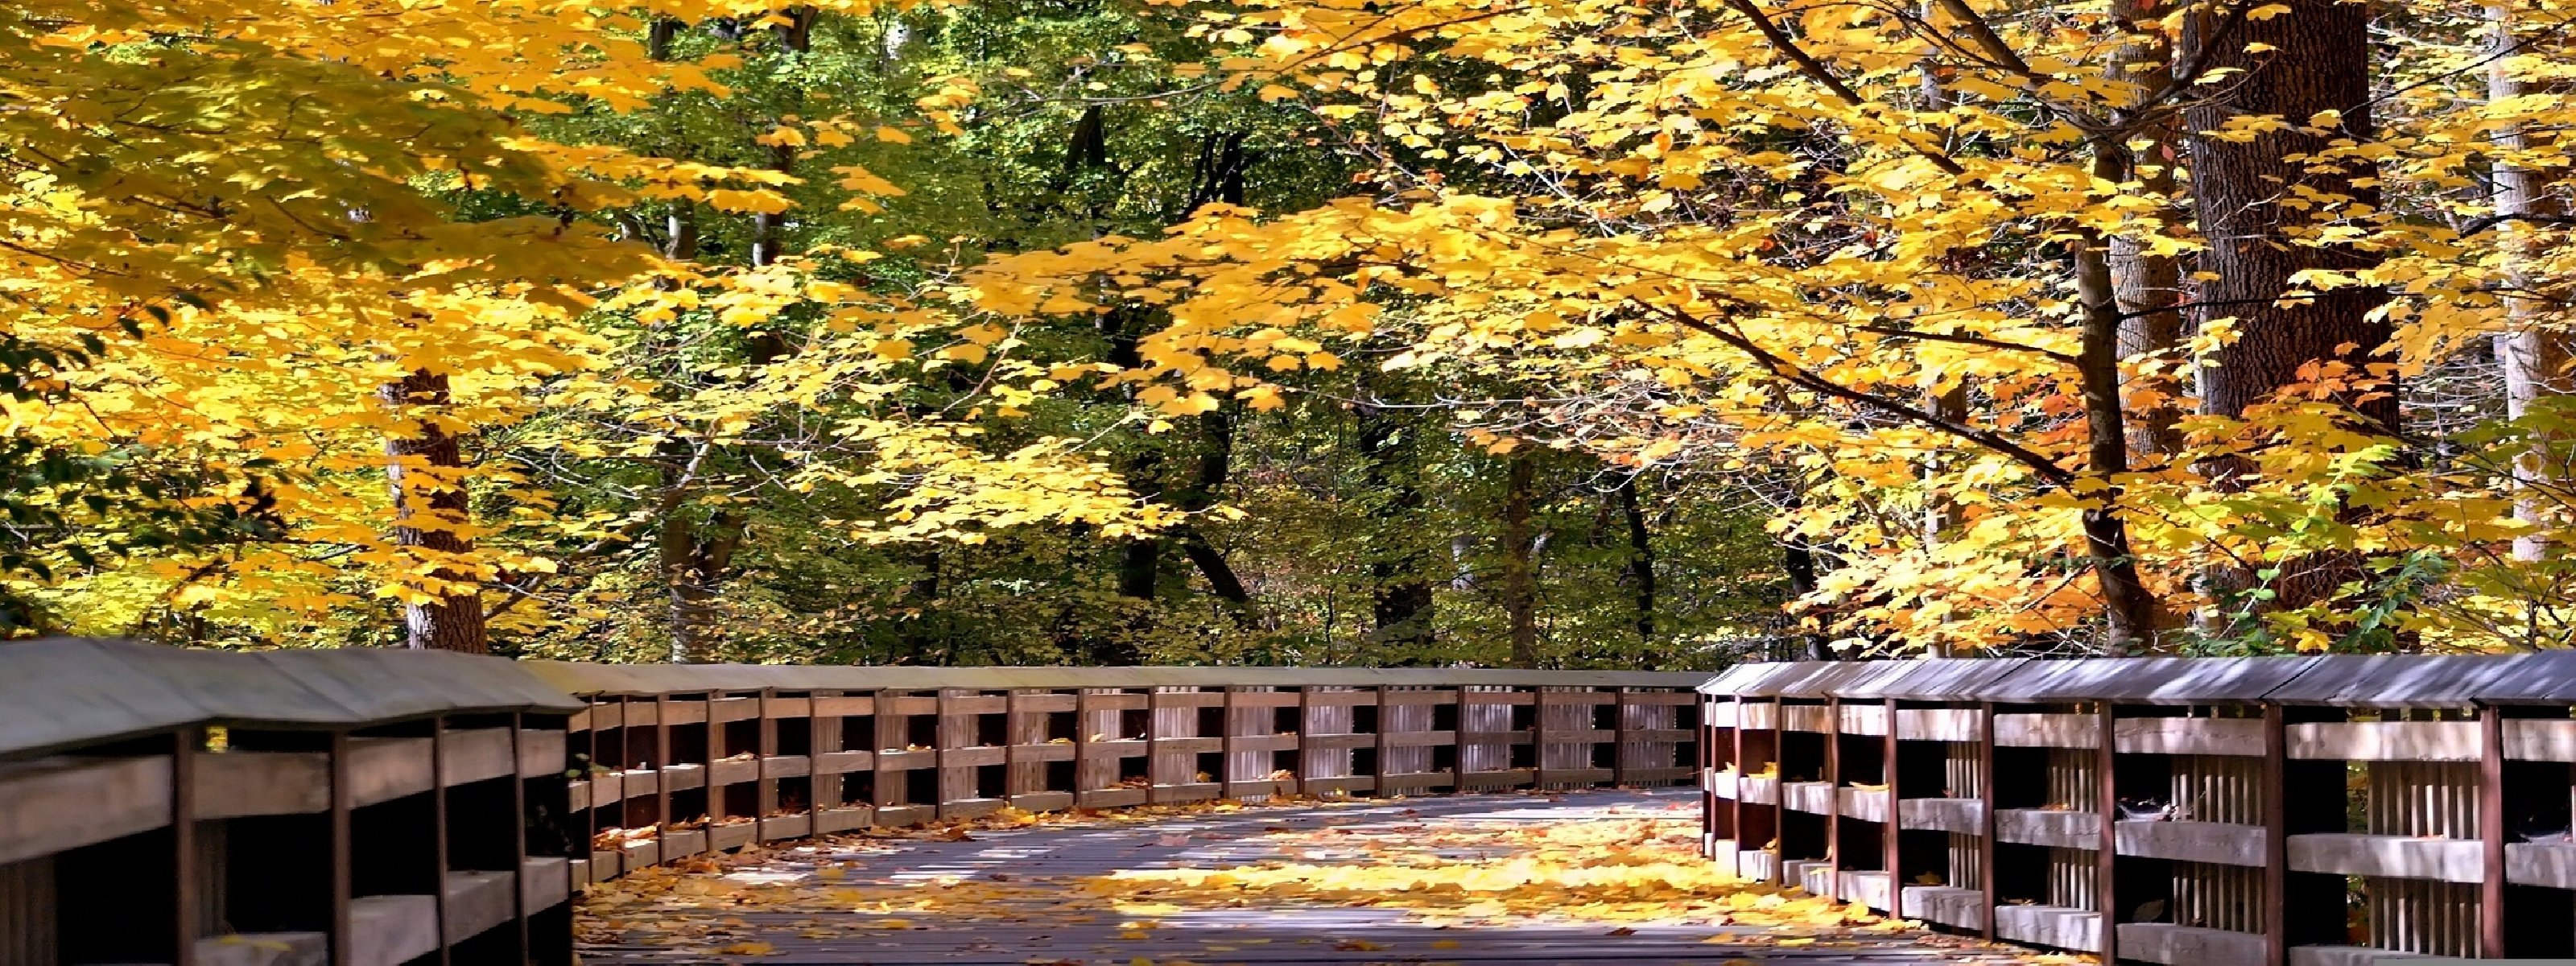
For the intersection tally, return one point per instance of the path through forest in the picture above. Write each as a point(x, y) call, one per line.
point(1579, 877)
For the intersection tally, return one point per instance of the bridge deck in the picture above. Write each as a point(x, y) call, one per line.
point(1585, 877)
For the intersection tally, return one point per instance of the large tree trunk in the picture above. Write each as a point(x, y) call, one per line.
point(2535, 358)
point(423, 467)
point(1520, 564)
point(2318, 61)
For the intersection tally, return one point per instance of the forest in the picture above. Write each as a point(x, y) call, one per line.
point(1533, 333)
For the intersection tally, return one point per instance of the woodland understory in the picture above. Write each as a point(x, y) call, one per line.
point(1540, 333)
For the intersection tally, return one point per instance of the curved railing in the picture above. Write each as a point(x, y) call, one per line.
point(372, 808)
point(2318, 811)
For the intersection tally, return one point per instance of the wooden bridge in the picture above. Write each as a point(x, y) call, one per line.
point(372, 808)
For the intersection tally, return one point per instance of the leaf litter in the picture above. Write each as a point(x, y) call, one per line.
point(1637, 869)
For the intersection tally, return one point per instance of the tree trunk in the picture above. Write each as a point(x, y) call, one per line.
point(1214, 465)
point(1520, 566)
point(2149, 285)
point(2128, 610)
point(796, 38)
point(424, 469)
point(1798, 561)
point(2318, 61)
point(2535, 358)
point(1401, 600)
point(657, 41)
point(1640, 571)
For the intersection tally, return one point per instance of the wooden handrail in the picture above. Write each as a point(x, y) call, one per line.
point(2166, 810)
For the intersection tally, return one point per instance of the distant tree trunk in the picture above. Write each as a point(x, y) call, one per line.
point(2148, 284)
point(657, 41)
point(1798, 561)
point(423, 467)
point(1940, 513)
point(2535, 358)
point(1520, 564)
point(1214, 465)
point(768, 235)
point(1640, 571)
point(1400, 593)
point(2318, 61)
point(1140, 559)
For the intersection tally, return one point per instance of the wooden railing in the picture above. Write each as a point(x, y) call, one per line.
point(2318, 811)
point(686, 759)
point(374, 808)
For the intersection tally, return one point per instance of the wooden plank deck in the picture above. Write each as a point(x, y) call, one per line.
point(1114, 889)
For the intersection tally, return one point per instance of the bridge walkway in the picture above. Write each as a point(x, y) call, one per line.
point(1607, 877)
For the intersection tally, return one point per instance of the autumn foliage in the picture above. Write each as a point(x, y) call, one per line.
point(2223, 326)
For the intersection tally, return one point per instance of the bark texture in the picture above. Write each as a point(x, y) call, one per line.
point(2149, 285)
point(2259, 213)
point(422, 463)
point(2319, 61)
point(2534, 356)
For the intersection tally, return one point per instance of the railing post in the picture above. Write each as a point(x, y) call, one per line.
point(1229, 738)
point(943, 739)
point(883, 725)
point(2106, 857)
point(1986, 816)
point(2491, 832)
point(1305, 744)
point(342, 799)
point(519, 835)
point(438, 831)
point(1153, 744)
point(1010, 747)
point(1619, 729)
point(2275, 790)
point(1833, 797)
point(1377, 755)
point(661, 786)
point(764, 793)
point(1538, 737)
point(1892, 829)
point(1735, 804)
